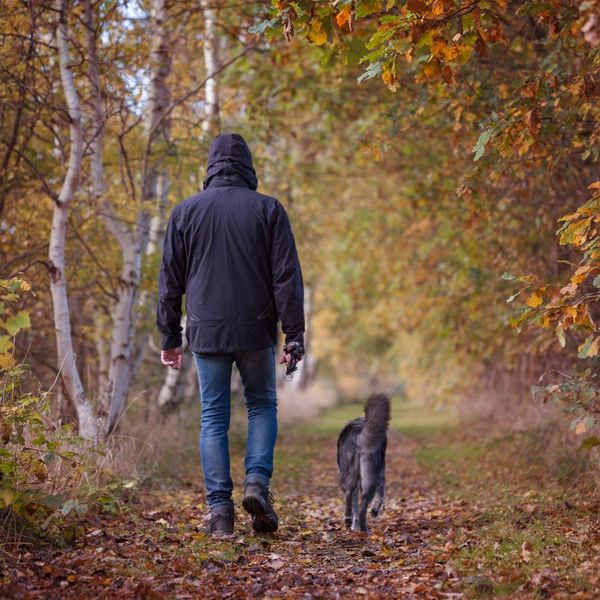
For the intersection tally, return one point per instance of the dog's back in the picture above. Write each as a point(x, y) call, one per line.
point(361, 461)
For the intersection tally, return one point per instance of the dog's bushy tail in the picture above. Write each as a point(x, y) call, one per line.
point(377, 418)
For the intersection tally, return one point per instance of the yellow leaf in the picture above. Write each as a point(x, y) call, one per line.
point(389, 79)
point(594, 186)
point(571, 311)
point(534, 300)
point(594, 347)
point(316, 34)
point(6, 497)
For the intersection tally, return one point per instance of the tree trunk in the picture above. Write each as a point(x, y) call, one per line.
point(146, 306)
point(173, 387)
point(306, 367)
point(58, 284)
point(171, 390)
point(211, 123)
point(132, 243)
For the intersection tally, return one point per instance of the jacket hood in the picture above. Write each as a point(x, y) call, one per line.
point(230, 161)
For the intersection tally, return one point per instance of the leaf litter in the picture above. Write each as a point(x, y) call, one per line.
point(157, 549)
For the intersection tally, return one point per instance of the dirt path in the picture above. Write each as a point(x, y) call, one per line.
point(478, 531)
point(157, 549)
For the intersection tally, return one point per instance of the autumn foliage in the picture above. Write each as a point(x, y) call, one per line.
point(438, 160)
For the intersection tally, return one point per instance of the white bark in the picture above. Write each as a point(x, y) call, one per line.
point(157, 223)
point(116, 386)
point(173, 387)
point(132, 242)
point(306, 367)
point(170, 392)
point(119, 372)
point(212, 63)
point(103, 354)
point(58, 283)
point(122, 365)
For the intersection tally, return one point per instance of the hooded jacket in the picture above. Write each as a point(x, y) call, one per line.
point(231, 251)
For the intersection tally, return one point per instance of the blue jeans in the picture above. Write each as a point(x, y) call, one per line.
point(257, 369)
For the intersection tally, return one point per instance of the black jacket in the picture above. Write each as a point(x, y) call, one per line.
point(231, 251)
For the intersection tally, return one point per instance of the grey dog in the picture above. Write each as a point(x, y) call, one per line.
point(361, 461)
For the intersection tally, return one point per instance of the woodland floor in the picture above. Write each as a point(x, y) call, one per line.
point(462, 519)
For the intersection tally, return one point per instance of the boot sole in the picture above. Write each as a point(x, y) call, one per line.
point(221, 535)
point(261, 521)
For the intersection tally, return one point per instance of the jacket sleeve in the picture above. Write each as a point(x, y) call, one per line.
point(171, 286)
point(288, 288)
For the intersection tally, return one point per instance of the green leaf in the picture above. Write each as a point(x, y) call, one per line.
point(81, 509)
point(379, 37)
point(508, 276)
point(479, 148)
point(17, 322)
point(68, 506)
point(560, 334)
point(373, 70)
point(261, 27)
point(5, 343)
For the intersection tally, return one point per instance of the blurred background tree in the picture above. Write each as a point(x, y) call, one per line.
point(473, 129)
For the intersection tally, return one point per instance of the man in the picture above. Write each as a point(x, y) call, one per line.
point(231, 251)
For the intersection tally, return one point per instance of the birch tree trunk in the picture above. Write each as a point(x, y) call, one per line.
point(132, 242)
point(173, 387)
point(157, 125)
point(58, 284)
point(306, 367)
point(211, 123)
point(115, 385)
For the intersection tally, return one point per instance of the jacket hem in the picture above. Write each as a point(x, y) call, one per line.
point(230, 349)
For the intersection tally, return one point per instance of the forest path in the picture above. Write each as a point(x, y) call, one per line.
point(429, 542)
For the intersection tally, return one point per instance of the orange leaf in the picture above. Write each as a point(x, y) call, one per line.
point(533, 122)
point(437, 9)
point(343, 16)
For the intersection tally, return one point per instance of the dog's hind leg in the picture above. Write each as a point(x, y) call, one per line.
point(369, 486)
point(352, 506)
point(348, 512)
point(379, 495)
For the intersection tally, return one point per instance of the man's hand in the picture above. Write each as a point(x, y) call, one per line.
point(172, 358)
point(291, 355)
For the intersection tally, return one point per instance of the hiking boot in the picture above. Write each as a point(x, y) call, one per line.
point(259, 503)
point(221, 522)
